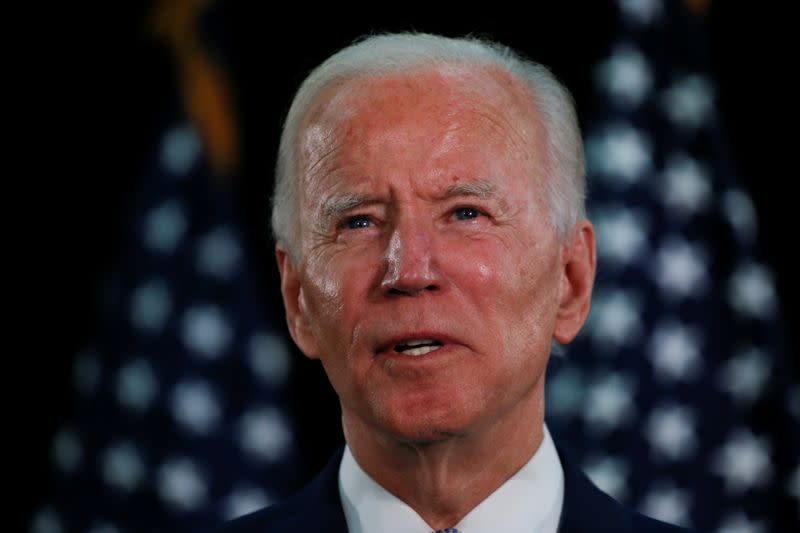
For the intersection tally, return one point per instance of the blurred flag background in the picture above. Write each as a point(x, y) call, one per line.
point(174, 400)
point(665, 391)
point(180, 416)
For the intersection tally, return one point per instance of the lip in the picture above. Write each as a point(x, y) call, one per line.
point(386, 347)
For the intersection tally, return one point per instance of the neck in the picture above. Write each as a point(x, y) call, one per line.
point(444, 480)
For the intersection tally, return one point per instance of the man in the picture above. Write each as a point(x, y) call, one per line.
point(432, 245)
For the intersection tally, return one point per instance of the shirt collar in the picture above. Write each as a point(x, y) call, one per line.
point(531, 500)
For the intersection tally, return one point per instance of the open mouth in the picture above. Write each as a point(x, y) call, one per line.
point(417, 347)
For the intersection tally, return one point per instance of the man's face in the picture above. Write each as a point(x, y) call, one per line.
point(430, 277)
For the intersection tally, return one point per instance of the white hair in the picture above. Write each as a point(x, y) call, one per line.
point(406, 52)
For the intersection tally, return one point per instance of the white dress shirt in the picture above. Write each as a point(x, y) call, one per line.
point(530, 501)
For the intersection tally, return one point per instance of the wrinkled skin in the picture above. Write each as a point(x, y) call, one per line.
point(422, 216)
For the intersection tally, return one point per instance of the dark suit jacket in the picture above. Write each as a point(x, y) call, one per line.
point(317, 508)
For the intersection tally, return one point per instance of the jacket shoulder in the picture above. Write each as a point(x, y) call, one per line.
point(646, 524)
point(588, 509)
point(316, 507)
point(285, 516)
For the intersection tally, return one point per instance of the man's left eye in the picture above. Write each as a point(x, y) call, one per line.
point(466, 213)
point(357, 222)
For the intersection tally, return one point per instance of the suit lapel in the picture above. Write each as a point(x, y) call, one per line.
point(324, 512)
point(586, 508)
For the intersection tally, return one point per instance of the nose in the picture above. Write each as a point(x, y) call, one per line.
point(411, 263)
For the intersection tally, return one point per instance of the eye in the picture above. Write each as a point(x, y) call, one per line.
point(357, 222)
point(466, 213)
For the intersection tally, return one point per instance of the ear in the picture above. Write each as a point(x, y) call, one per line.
point(577, 279)
point(295, 305)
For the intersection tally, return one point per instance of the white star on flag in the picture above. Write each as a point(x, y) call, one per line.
point(745, 375)
point(615, 320)
point(686, 185)
point(689, 102)
point(609, 474)
point(264, 434)
point(565, 392)
point(670, 431)
point(181, 484)
point(641, 11)
point(743, 462)
point(620, 153)
point(609, 402)
point(136, 385)
point(621, 235)
point(123, 467)
point(680, 269)
point(150, 306)
point(194, 406)
point(218, 254)
point(668, 504)
point(206, 331)
point(244, 500)
point(626, 76)
point(740, 213)
point(164, 227)
point(180, 149)
point(675, 351)
point(67, 451)
point(751, 291)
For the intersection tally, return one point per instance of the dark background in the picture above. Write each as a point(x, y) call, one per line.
point(105, 86)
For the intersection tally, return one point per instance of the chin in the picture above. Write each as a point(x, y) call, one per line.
point(425, 425)
point(430, 437)
point(425, 435)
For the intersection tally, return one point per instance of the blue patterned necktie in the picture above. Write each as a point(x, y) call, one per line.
point(448, 530)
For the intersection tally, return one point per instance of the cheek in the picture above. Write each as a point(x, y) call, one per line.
point(323, 295)
point(520, 288)
point(337, 290)
point(321, 302)
point(506, 275)
point(489, 278)
point(478, 273)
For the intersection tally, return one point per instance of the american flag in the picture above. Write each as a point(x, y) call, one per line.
point(180, 419)
point(679, 395)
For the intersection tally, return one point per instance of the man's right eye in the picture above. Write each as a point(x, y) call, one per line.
point(357, 222)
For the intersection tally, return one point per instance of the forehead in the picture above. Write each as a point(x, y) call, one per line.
point(466, 104)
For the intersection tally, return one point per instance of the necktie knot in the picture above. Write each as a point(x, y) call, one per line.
point(448, 530)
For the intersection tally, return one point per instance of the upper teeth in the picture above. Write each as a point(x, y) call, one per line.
point(417, 342)
point(418, 346)
point(422, 350)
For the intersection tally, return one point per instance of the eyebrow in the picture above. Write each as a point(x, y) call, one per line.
point(336, 206)
point(485, 190)
point(479, 188)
